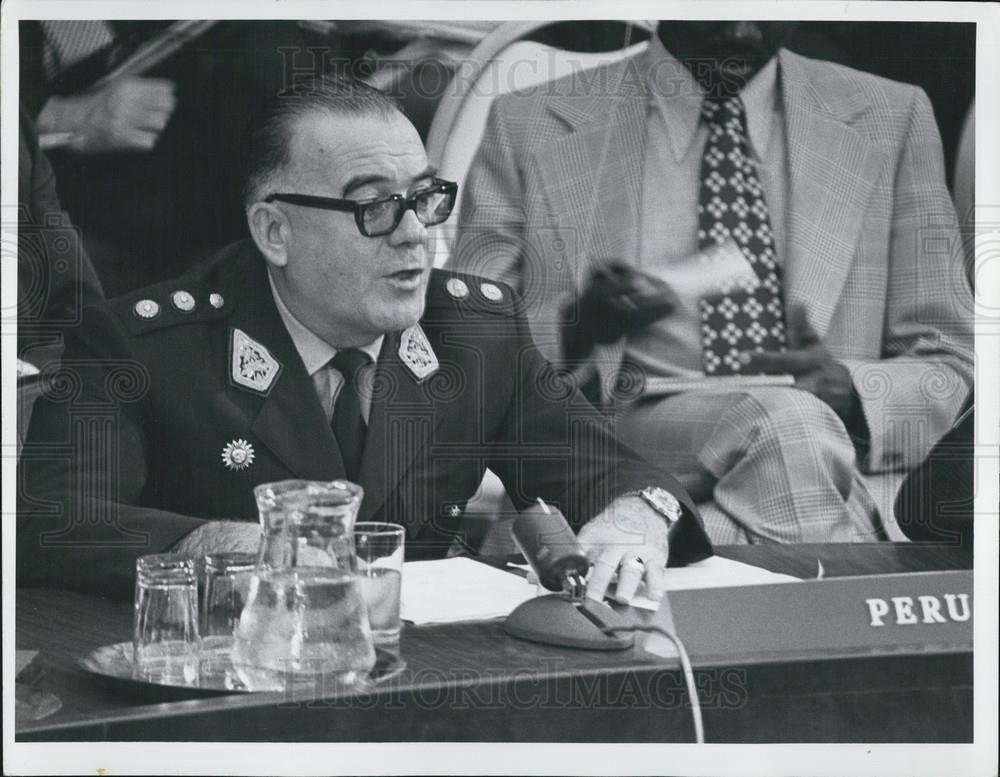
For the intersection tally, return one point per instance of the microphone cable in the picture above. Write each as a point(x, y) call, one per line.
point(686, 669)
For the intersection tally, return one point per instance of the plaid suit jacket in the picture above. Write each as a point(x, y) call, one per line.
point(874, 252)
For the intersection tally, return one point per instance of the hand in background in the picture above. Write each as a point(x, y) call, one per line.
point(243, 537)
point(616, 301)
point(815, 370)
point(126, 114)
point(219, 537)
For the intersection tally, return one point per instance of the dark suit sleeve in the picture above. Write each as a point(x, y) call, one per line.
point(34, 88)
point(936, 501)
point(568, 454)
point(84, 466)
point(55, 277)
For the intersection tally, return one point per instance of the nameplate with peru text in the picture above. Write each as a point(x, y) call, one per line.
point(917, 612)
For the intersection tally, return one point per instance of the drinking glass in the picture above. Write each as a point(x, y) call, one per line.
point(379, 548)
point(227, 581)
point(165, 642)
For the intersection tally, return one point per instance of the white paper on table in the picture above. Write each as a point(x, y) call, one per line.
point(459, 589)
point(26, 369)
point(714, 572)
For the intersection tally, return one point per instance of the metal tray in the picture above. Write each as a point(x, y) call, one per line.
point(216, 676)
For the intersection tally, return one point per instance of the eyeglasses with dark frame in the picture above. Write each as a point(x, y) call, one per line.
point(432, 205)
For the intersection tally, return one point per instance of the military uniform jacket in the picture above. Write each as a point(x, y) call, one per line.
point(168, 410)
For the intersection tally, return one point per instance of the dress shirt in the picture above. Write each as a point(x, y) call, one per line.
point(316, 354)
point(668, 221)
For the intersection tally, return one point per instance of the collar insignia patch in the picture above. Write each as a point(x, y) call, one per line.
point(416, 352)
point(252, 365)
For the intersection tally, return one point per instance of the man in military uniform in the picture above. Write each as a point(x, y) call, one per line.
point(324, 348)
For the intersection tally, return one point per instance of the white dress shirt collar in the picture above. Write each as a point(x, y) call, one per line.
point(315, 351)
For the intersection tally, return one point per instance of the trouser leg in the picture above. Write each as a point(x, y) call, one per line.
point(776, 462)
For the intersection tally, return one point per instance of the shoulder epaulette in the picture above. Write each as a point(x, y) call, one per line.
point(469, 293)
point(170, 303)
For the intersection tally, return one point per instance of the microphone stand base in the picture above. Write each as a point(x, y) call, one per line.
point(557, 620)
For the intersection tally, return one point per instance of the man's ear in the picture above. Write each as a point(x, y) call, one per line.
point(271, 231)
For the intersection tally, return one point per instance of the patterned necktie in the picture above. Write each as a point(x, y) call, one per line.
point(348, 423)
point(731, 205)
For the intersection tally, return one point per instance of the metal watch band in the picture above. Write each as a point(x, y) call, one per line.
point(661, 500)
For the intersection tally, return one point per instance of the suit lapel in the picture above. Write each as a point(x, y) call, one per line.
point(290, 421)
point(832, 169)
point(594, 175)
point(401, 425)
point(292, 425)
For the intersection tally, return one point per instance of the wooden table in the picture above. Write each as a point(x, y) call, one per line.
point(470, 682)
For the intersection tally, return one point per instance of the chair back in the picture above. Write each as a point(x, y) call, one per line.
point(503, 62)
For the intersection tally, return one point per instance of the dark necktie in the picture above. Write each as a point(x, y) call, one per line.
point(731, 204)
point(348, 423)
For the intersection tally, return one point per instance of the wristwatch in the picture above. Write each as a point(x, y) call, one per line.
point(662, 501)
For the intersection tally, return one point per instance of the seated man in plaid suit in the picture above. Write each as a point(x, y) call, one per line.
point(717, 207)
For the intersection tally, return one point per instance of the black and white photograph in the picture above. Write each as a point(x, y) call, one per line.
point(500, 387)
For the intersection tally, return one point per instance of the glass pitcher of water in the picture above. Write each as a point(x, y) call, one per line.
point(304, 623)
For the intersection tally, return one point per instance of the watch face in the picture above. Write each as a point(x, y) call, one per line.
point(663, 502)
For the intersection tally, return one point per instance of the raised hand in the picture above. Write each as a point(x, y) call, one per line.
point(126, 114)
point(616, 301)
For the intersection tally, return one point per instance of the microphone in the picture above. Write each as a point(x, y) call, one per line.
point(550, 547)
point(566, 618)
